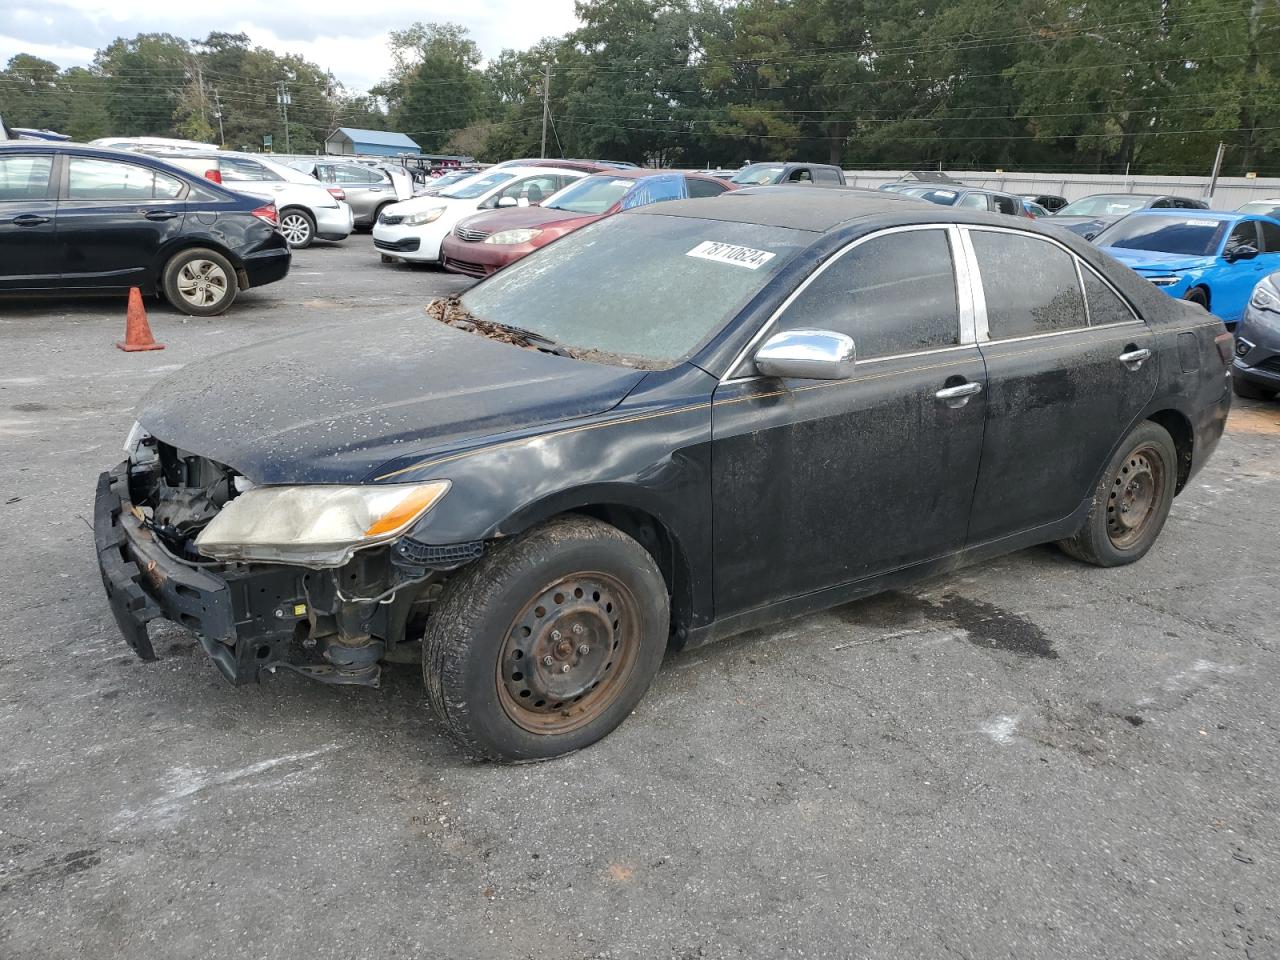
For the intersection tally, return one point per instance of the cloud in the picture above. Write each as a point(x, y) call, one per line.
point(341, 36)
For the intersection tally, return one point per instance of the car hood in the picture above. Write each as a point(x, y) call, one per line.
point(1082, 225)
point(340, 405)
point(521, 217)
point(1156, 261)
point(418, 204)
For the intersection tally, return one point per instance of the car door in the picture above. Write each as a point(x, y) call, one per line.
point(1268, 261)
point(365, 187)
point(28, 208)
point(1234, 279)
point(1069, 368)
point(113, 219)
point(819, 483)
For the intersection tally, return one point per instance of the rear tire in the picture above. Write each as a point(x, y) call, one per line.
point(298, 227)
point(199, 282)
point(1198, 296)
point(1249, 391)
point(1132, 500)
point(548, 642)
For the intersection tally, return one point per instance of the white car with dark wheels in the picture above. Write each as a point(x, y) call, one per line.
point(308, 210)
point(413, 231)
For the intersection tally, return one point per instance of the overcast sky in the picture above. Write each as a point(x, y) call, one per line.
point(345, 36)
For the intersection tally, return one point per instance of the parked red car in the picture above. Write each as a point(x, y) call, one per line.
point(487, 242)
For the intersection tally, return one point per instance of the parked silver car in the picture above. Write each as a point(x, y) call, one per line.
point(368, 188)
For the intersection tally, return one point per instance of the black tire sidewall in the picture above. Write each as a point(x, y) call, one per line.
point(169, 282)
point(1249, 391)
point(1197, 296)
point(470, 675)
point(1147, 433)
point(311, 226)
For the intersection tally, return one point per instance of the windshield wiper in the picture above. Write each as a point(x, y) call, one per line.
point(536, 340)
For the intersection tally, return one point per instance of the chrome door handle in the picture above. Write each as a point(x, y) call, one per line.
point(1133, 358)
point(958, 396)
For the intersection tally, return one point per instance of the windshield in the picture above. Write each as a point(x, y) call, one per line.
point(1103, 206)
point(758, 174)
point(1186, 236)
point(638, 290)
point(477, 187)
point(592, 195)
point(1268, 208)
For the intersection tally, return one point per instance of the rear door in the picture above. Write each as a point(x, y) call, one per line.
point(819, 483)
point(1069, 368)
point(28, 209)
point(366, 188)
point(113, 219)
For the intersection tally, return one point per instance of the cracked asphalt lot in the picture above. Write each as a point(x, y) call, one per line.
point(1027, 759)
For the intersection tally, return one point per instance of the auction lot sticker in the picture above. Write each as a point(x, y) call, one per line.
point(729, 253)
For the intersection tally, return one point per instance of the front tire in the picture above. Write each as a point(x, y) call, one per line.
point(1197, 295)
point(547, 643)
point(1132, 500)
point(199, 282)
point(298, 227)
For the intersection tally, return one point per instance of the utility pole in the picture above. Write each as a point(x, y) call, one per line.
point(1217, 168)
point(217, 113)
point(546, 103)
point(282, 98)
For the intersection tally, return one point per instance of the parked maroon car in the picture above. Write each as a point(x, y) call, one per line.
point(487, 242)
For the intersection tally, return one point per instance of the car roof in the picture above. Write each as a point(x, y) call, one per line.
point(796, 207)
point(1197, 214)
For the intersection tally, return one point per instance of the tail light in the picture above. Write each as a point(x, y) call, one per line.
point(215, 175)
point(1225, 343)
point(337, 193)
point(267, 214)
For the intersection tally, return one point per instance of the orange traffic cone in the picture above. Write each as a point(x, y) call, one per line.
point(137, 332)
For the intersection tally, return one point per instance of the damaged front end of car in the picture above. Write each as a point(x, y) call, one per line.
point(325, 580)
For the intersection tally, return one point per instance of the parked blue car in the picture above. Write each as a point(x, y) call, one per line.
point(1207, 257)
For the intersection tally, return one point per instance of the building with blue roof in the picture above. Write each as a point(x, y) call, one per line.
point(352, 141)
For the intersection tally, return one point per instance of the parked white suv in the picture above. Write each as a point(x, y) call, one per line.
point(413, 230)
point(308, 211)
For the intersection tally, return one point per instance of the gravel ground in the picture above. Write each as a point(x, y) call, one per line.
point(1030, 758)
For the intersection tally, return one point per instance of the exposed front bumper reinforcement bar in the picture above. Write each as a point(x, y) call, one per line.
point(245, 619)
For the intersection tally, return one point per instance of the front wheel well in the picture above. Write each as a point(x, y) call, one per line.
point(1179, 428)
point(652, 534)
point(1208, 297)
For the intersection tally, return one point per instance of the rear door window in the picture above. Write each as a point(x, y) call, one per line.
point(1005, 205)
point(1270, 236)
point(1030, 285)
point(825, 175)
point(699, 187)
point(236, 168)
point(25, 176)
point(892, 294)
point(89, 179)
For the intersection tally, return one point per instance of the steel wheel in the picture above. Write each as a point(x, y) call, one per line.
point(296, 229)
point(1136, 490)
point(202, 283)
point(569, 653)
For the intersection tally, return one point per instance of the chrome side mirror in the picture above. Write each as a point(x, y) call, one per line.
point(806, 355)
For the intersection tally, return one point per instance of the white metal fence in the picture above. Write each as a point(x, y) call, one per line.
point(1228, 195)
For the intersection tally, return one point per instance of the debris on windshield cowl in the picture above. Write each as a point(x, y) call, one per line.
point(449, 310)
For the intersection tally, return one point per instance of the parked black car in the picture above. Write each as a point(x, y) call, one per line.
point(762, 174)
point(1089, 216)
point(77, 219)
point(1255, 373)
point(1050, 201)
point(536, 495)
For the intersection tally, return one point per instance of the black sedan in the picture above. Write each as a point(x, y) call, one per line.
point(1255, 373)
point(86, 220)
point(653, 433)
point(1089, 216)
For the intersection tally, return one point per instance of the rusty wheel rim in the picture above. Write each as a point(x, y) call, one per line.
point(1136, 491)
point(568, 653)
